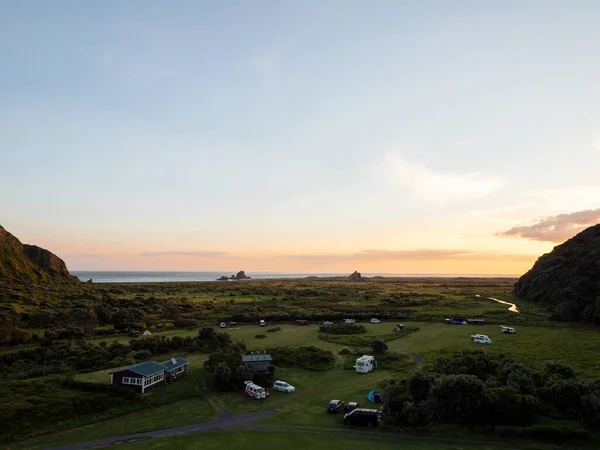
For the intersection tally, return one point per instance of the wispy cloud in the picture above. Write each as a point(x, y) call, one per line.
point(197, 254)
point(430, 185)
point(555, 228)
point(408, 255)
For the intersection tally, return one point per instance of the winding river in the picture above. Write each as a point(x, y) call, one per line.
point(513, 308)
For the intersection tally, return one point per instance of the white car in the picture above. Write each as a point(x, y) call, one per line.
point(375, 320)
point(349, 321)
point(327, 323)
point(223, 325)
point(508, 330)
point(282, 386)
point(262, 323)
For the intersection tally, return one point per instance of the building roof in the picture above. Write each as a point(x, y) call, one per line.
point(170, 365)
point(256, 357)
point(146, 368)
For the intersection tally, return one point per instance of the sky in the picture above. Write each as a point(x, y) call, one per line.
point(300, 136)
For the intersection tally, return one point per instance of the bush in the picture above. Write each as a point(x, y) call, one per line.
point(260, 336)
point(307, 358)
point(343, 328)
point(274, 329)
point(344, 351)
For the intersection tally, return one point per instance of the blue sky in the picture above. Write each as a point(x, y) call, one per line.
point(304, 136)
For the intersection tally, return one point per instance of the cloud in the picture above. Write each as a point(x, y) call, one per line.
point(199, 254)
point(436, 186)
point(409, 255)
point(555, 228)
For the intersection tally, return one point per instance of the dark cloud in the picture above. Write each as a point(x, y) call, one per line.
point(408, 255)
point(197, 254)
point(556, 228)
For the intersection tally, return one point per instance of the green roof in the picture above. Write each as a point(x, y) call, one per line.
point(169, 365)
point(146, 368)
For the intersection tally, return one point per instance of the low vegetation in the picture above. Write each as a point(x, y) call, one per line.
point(308, 358)
point(473, 388)
point(343, 328)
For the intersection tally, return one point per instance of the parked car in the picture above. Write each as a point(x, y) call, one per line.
point(349, 321)
point(374, 320)
point(262, 323)
point(363, 416)
point(282, 386)
point(351, 406)
point(327, 323)
point(508, 330)
point(223, 325)
point(335, 406)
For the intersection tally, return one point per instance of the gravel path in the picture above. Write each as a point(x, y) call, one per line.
point(225, 421)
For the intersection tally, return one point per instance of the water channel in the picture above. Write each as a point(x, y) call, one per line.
point(513, 307)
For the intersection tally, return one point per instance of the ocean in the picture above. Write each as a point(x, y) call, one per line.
point(168, 277)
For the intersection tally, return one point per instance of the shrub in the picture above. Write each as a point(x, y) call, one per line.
point(307, 358)
point(260, 336)
point(345, 351)
point(274, 329)
point(343, 328)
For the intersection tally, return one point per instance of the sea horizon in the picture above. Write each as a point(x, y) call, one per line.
point(156, 276)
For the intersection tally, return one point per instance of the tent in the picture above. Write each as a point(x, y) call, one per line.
point(146, 333)
point(374, 396)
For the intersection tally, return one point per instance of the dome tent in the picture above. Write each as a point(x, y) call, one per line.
point(374, 396)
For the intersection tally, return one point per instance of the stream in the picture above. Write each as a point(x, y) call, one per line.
point(513, 307)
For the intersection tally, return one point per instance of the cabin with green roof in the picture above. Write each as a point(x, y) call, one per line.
point(148, 375)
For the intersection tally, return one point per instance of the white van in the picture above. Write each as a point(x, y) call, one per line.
point(262, 323)
point(481, 339)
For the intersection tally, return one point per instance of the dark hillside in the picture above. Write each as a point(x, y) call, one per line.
point(567, 280)
point(22, 263)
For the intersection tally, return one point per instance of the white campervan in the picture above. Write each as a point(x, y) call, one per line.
point(481, 339)
point(365, 364)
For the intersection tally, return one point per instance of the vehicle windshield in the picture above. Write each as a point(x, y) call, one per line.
point(284, 384)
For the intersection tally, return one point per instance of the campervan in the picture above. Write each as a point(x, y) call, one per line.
point(481, 339)
point(365, 364)
point(508, 330)
point(255, 391)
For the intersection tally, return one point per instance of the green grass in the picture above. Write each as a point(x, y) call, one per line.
point(577, 346)
point(278, 440)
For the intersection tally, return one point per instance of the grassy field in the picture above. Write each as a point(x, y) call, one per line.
point(273, 440)
point(577, 346)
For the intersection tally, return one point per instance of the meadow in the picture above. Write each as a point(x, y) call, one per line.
point(170, 310)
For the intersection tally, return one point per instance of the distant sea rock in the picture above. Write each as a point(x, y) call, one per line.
point(29, 263)
point(241, 275)
point(355, 277)
point(566, 281)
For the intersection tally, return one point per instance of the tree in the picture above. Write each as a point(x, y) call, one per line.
point(458, 397)
point(559, 369)
point(419, 385)
point(379, 346)
point(222, 376)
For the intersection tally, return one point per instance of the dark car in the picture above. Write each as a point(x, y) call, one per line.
point(351, 406)
point(362, 416)
point(335, 406)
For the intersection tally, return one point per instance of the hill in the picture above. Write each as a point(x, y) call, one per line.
point(23, 263)
point(567, 280)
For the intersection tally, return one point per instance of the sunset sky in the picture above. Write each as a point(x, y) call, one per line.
point(407, 137)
